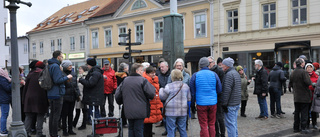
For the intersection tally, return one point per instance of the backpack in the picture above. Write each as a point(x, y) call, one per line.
point(45, 80)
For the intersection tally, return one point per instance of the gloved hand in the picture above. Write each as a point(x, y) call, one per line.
point(225, 109)
point(189, 104)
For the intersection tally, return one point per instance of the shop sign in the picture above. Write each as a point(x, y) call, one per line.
point(77, 55)
point(125, 55)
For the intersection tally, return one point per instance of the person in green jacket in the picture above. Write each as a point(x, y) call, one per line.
point(244, 91)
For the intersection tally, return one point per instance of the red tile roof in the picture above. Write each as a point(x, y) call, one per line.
point(109, 9)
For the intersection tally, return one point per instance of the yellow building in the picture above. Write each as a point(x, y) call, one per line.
point(145, 19)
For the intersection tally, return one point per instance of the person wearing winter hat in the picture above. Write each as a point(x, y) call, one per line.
point(219, 61)
point(231, 96)
point(40, 64)
point(244, 90)
point(204, 93)
point(316, 67)
point(314, 79)
point(32, 65)
point(92, 62)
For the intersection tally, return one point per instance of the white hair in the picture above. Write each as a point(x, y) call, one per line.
point(212, 58)
point(145, 65)
point(178, 60)
point(259, 62)
point(165, 63)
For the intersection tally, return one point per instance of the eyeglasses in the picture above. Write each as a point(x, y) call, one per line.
point(211, 62)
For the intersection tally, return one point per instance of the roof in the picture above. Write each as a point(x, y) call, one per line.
point(76, 13)
point(109, 9)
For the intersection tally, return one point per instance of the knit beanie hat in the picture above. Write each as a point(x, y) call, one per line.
point(228, 62)
point(32, 65)
point(238, 68)
point(40, 64)
point(66, 63)
point(203, 62)
point(91, 62)
point(316, 65)
point(309, 64)
point(279, 64)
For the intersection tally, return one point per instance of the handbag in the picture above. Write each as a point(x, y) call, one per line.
point(164, 107)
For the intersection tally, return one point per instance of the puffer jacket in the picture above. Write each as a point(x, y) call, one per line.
point(5, 91)
point(72, 88)
point(314, 78)
point(244, 87)
point(276, 77)
point(58, 88)
point(155, 103)
point(231, 88)
point(93, 87)
point(110, 84)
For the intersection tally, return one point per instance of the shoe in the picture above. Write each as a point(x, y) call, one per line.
point(125, 126)
point(305, 131)
point(160, 125)
point(259, 117)
point(315, 127)
point(296, 131)
point(273, 116)
point(65, 133)
point(41, 135)
point(193, 116)
point(282, 112)
point(243, 115)
point(4, 133)
point(82, 127)
point(264, 118)
point(280, 116)
point(164, 133)
point(71, 132)
point(153, 133)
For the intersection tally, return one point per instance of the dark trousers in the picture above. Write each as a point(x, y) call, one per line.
point(147, 130)
point(313, 116)
point(123, 117)
point(219, 125)
point(30, 118)
point(55, 112)
point(275, 100)
point(67, 114)
point(84, 116)
point(243, 106)
point(135, 127)
point(300, 115)
point(110, 98)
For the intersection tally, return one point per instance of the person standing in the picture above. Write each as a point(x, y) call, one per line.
point(220, 126)
point(178, 97)
point(5, 100)
point(134, 93)
point(314, 79)
point(231, 96)
point(276, 78)
point(300, 81)
point(163, 76)
point(56, 93)
point(110, 86)
point(205, 86)
point(121, 75)
point(261, 88)
point(155, 103)
point(244, 90)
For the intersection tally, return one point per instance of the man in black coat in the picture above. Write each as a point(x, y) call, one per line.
point(220, 126)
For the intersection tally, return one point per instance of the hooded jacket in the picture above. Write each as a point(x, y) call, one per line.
point(93, 87)
point(276, 77)
point(58, 88)
point(155, 103)
point(110, 83)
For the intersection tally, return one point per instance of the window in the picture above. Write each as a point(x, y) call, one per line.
point(52, 46)
point(82, 46)
point(122, 30)
point(25, 48)
point(139, 4)
point(41, 47)
point(158, 32)
point(269, 15)
point(34, 50)
point(59, 44)
point(72, 44)
point(107, 36)
point(95, 40)
point(200, 25)
point(299, 12)
point(232, 20)
point(139, 33)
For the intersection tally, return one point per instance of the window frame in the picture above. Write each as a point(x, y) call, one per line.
point(82, 42)
point(34, 48)
point(105, 37)
point(72, 43)
point(155, 29)
point(135, 27)
point(96, 40)
point(59, 44)
point(201, 22)
point(299, 7)
point(269, 12)
point(25, 48)
point(137, 5)
point(52, 46)
point(41, 47)
point(232, 19)
point(122, 39)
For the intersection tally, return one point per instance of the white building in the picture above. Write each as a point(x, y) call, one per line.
point(4, 50)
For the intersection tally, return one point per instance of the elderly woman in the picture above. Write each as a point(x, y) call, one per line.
point(5, 100)
point(179, 64)
point(177, 96)
point(244, 91)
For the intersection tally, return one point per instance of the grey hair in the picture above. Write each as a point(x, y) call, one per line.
point(176, 75)
point(212, 58)
point(259, 62)
point(178, 60)
point(165, 63)
point(123, 66)
point(145, 65)
point(299, 61)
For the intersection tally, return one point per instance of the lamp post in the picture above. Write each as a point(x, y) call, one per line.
point(17, 127)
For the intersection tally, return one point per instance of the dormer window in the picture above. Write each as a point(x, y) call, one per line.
point(41, 24)
point(66, 19)
point(79, 16)
point(93, 8)
point(139, 4)
point(59, 20)
point(48, 23)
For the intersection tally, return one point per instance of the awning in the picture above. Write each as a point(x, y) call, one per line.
point(195, 54)
point(305, 44)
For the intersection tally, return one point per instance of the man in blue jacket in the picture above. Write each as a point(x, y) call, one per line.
point(204, 86)
point(55, 94)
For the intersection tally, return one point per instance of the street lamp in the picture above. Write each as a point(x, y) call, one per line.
point(17, 127)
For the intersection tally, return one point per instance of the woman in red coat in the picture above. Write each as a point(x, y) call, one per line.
point(314, 79)
point(155, 104)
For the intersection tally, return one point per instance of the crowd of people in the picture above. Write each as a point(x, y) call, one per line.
point(156, 94)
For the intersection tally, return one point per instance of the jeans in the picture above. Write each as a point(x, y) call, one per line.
point(4, 115)
point(135, 127)
point(207, 119)
point(275, 96)
point(55, 107)
point(300, 115)
point(96, 111)
point(231, 120)
point(67, 114)
point(111, 106)
point(263, 105)
point(181, 123)
point(30, 117)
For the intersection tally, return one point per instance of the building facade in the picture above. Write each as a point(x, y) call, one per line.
point(270, 30)
point(4, 50)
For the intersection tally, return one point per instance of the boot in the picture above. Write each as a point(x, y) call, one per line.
point(82, 127)
point(71, 132)
point(65, 133)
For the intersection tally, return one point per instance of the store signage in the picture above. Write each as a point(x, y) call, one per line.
point(77, 55)
point(125, 55)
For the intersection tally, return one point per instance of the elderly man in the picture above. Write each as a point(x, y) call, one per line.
point(300, 82)
point(231, 96)
point(110, 86)
point(261, 88)
point(205, 86)
point(220, 126)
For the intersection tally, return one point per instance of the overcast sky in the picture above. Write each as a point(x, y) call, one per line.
point(29, 17)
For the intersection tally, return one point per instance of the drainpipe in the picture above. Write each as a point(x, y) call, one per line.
point(218, 28)
point(211, 27)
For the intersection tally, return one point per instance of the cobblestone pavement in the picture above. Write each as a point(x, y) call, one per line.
point(247, 127)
